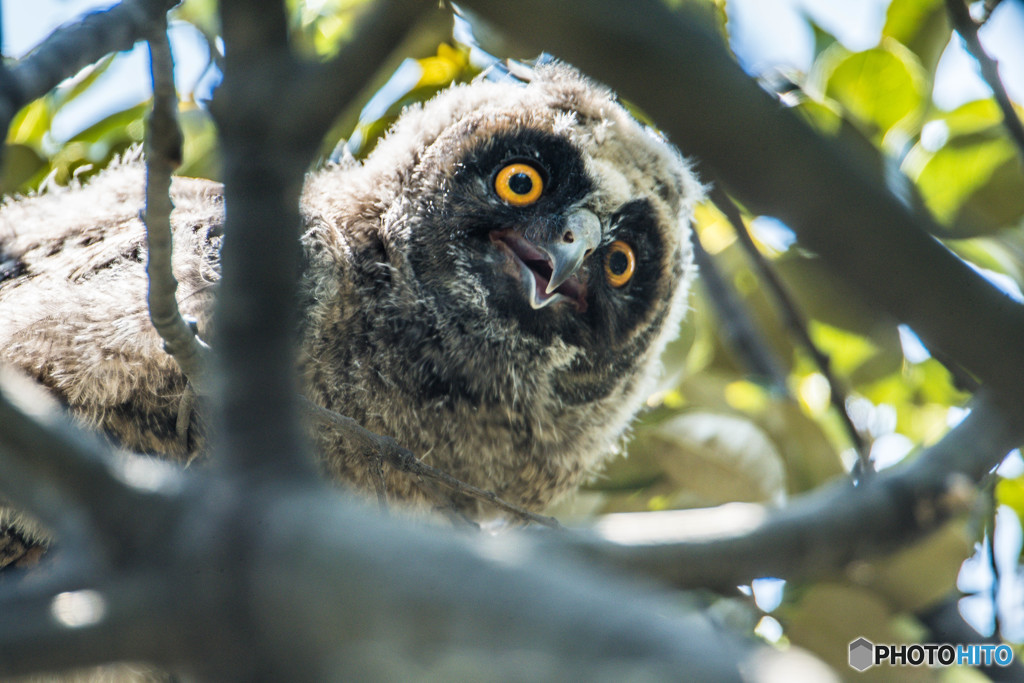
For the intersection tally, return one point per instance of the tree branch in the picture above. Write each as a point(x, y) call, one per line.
point(968, 31)
point(266, 150)
point(63, 625)
point(65, 476)
point(826, 530)
point(74, 46)
point(163, 154)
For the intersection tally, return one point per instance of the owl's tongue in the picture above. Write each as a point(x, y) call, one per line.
point(536, 270)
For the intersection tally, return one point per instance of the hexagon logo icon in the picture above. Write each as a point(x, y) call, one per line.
point(862, 654)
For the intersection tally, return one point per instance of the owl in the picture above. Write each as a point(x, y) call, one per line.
point(491, 287)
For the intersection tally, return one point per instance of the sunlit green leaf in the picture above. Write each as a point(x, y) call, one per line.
point(21, 165)
point(973, 184)
point(31, 123)
point(200, 153)
point(973, 117)
point(717, 458)
point(1010, 492)
point(921, 25)
point(921, 394)
point(883, 87)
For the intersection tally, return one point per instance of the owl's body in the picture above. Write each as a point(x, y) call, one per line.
point(424, 306)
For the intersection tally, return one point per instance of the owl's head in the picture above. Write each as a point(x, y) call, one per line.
point(540, 215)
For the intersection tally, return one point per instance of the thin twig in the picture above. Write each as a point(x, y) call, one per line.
point(74, 46)
point(736, 328)
point(968, 30)
point(163, 155)
point(404, 460)
point(795, 323)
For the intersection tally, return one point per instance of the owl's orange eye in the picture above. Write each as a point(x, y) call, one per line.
point(519, 184)
point(619, 263)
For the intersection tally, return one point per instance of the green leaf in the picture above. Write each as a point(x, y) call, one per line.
point(80, 83)
point(973, 117)
point(21, 166)
point(921, 25)
point(31, 123)
point(809, 456)
point(1010, 492)
point(973, 184)
point(126, 125)
point(883, 87)
point(200, 153)
point(717, 458)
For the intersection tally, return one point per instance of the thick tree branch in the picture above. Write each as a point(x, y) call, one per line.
point(66, 477)
point(777, 165)
point(968, 30)
point(64, 625)
point(824, 531)
point(266, 150)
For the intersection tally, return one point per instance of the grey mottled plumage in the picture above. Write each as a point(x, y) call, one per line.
point(424, 311)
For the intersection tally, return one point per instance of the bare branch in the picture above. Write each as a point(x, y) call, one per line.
point(70, 48)
point(824, 531)
point(64, 624)
point(794, 322)
point(61, 473)
point(266, 151)
point(163, 154)
point(968, 31)
point(403, 460)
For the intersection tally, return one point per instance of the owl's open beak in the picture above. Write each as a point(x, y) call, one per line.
point(548, 268)
point(582, 235)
